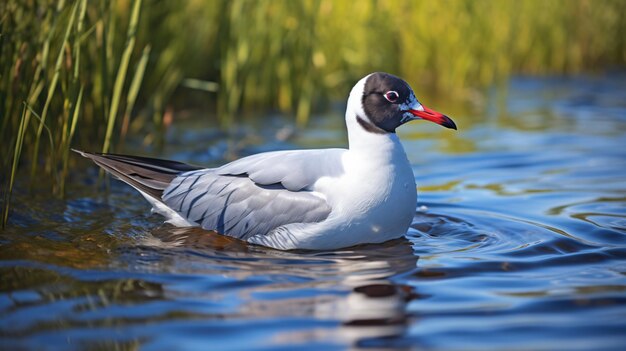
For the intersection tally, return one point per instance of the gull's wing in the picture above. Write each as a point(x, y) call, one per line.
point(294, 170)
point(256, 194)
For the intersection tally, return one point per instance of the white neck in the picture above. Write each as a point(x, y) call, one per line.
point(362, 140)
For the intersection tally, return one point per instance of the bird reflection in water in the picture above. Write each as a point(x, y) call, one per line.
point(354, 287)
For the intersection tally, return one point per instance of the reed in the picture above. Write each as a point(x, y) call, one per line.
point(17, 151)
point(54, 58)
point(121, 74)
point(95, 71)
point(52, 88)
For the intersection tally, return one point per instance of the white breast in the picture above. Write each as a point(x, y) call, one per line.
point(373, 201)
point(377, 196)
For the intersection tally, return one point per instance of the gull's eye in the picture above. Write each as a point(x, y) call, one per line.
point(391, 96)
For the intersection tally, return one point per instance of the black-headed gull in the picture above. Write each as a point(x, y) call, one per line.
point(299, 199)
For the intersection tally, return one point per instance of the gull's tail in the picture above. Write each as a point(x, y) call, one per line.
point(148, 175)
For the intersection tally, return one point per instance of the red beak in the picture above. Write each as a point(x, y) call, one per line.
point(434, 116)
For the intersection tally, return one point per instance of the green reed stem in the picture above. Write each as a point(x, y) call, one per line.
point(17, 152)
point(48, 132)
point(133, 91)
point(121, 74)
point(79, 33)
point(70, 136)
point(52, 89)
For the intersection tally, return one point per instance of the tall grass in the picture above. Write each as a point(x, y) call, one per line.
point(55, 60)
point(92, 72)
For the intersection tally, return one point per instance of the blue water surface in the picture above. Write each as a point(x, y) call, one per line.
point(518, 242)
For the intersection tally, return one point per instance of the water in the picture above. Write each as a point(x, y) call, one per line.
point(518, 242)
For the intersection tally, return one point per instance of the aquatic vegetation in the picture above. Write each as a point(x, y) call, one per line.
point(92, 72)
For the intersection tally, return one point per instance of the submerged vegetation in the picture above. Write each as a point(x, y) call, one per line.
point(91, 72)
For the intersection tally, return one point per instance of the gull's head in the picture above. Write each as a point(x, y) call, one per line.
point(381, 102)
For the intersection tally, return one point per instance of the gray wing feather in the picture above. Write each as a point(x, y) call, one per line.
point(255, 194)
point(236, 206)
point(294, 170)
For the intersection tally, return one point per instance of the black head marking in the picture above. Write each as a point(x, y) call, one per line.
point(384, 114)
point(369, 126)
